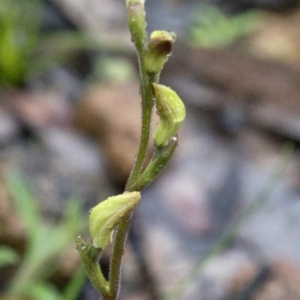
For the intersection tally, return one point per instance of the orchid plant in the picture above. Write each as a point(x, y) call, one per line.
point(109, 221)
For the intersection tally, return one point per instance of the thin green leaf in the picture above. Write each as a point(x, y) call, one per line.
point(43, 291)
point(74, 286)
point(8, 256)
point(24, 202)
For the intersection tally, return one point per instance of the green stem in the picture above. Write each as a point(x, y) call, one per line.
point(90, 257)
point(110, 289)
point(147, 104)
point(117, 255)
point(123, 228)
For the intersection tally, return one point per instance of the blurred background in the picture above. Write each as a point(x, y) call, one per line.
point(223, 220)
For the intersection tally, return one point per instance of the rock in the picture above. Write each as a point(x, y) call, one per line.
point(9, 128)
point(207, 186)
point(40, 109)
point(187, 207)
point(12, 231)
point(263, 4)
point(218, 274)
point(277, 38)
point(104, 19)
point(246, 91)
point(112, 114)
point(70, 148)
point(281, 281)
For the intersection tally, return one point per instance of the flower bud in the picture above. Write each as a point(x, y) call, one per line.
point(136, 18)
point(159, 48)
point(171, 111)
point(158, 162)
point(105, 216)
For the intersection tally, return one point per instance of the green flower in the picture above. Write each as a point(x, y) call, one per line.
point(136, 18)
point(171, 111)
point(105, 216)
point(159, 48)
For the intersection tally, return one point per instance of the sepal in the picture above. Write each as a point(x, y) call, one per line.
point(160, 159)
point(159, 48)
point(105, 216)
point(171, 111)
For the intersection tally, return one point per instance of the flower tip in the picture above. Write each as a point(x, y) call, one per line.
point(172, 113)
point(136, 20)
point(131, 2)
point(159, 48)
point(105, 216)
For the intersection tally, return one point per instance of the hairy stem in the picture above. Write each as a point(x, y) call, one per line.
point(123, 227)
point(117, 255)
point(136, 24)
point(147, 104)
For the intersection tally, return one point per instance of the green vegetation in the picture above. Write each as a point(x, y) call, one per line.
point(19, 33)
point(8, 256)
point(45, 243)
point(25, 52)
point(211, 28)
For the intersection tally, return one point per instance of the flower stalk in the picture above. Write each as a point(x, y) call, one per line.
point(109, 221)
